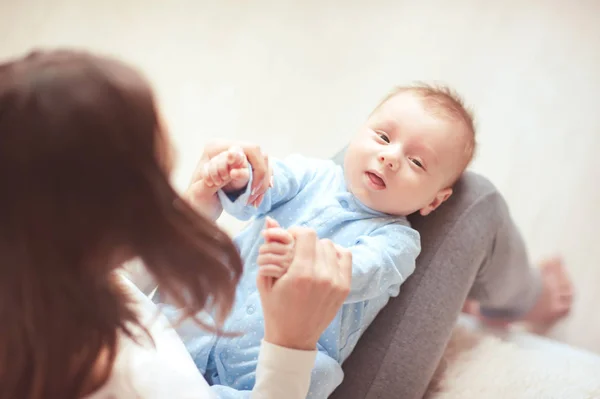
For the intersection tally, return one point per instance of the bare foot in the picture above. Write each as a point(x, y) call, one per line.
point(554, 302)
point(556, 297)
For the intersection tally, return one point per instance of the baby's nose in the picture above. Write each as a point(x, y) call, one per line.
point(389, 161)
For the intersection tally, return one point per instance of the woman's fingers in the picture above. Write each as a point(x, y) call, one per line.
point(260, 173)
point(329, 252)
point(210, 151)
point(345, 270)
point(334, 272)
point(326, 260)
point(270, 173)
point(305, 251)
point(271, 271)
point(267, 183)
point(256, 203)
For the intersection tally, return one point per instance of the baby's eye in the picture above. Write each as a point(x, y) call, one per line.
point(417, 162)
point(383, 137)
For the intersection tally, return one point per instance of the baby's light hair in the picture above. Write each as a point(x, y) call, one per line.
point(444, 102)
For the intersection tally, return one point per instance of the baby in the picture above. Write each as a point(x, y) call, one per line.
point(405, 159)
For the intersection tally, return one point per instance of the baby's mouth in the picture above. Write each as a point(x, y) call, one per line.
point(376, 180)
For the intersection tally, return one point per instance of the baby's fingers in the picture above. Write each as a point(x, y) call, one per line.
point(278, 234)
point(223, 168)
point(236, 158)
point(276, 248)
point(217, 170)
point(240, 174)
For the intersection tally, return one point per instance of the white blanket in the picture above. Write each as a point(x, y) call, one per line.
point(517, 366)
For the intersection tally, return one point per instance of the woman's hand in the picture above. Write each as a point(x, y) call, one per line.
point(206, 201)
point(300, 305)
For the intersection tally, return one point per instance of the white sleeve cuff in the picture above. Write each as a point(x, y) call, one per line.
point(286, 359)
point(283, 372)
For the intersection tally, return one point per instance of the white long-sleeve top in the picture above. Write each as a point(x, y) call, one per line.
point(166, 370)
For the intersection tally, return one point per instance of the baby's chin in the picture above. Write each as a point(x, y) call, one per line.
point(373, 200)
point(363, 195)
point(394, 207)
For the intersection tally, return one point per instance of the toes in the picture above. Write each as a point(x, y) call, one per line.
point(552, 264)
point(563, 310)
point(471, 307)
point(566, 298)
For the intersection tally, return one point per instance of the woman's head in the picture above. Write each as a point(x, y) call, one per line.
point(84, 166)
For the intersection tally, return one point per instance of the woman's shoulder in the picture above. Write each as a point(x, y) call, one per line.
point(154, 368)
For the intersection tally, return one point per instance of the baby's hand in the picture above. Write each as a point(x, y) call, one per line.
point(277, 253)
point(228, 171)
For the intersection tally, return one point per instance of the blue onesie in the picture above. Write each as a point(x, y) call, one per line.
point(311, 193)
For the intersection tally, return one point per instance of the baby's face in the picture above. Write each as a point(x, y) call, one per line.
point(404, 159)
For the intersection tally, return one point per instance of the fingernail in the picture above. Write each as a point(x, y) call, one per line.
point(271, 184)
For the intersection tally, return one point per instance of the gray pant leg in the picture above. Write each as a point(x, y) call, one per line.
point(506, 285)
point(470, 246)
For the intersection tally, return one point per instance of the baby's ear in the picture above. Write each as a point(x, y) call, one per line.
point(438, 200)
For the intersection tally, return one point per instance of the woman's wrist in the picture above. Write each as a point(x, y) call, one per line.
point(297, 343)
point(203, 202)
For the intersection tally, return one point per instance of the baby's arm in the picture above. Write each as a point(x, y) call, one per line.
point(382, 261)
point(226, 171)
point(289, 177)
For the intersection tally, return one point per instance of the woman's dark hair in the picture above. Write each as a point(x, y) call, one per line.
point(84, 185)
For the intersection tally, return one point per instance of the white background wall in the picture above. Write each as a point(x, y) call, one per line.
point(300, 76)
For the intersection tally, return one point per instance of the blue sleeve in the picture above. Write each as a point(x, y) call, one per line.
point(325, 377)
point(225, 392)
point(290, 176)
point(382, 261)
